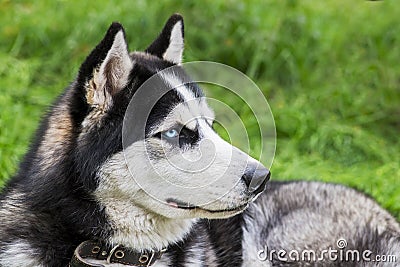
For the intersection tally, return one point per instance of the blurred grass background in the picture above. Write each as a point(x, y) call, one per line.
point(329, 69)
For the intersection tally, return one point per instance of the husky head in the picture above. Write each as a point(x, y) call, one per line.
point(179, 167)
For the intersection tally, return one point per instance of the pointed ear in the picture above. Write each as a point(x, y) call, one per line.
point(169, 44)
point(106, 70)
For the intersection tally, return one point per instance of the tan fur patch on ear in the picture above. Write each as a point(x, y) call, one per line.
point(97, 94)
point(90, 89)
point(98, 97)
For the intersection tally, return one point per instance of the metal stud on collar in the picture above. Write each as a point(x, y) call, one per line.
point(95, 249)
point(119, 254)
point(143, 258)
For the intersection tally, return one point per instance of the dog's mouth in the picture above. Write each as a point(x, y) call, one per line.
point(187, 206)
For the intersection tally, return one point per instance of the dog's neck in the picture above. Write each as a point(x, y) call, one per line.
point(133, 226)
point(138, 229)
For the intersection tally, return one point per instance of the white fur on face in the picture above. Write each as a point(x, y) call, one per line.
point(206, 175)
point(175, 48)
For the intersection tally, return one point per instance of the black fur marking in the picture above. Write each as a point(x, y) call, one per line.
point(143, 70)
point(226, 237)
point(198, 240)
point(188, 137)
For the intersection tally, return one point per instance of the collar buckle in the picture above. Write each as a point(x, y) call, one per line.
point(117, 254)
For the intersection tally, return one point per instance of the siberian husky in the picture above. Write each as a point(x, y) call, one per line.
point(74, 201)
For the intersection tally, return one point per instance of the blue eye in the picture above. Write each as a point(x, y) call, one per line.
point(171, 133)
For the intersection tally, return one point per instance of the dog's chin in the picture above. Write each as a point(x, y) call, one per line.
point(194, 211)
point(223, 214)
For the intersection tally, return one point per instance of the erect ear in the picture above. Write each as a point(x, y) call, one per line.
point(169, 44)
point(106, 70)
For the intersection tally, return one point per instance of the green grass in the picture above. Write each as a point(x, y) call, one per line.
point(330, 71)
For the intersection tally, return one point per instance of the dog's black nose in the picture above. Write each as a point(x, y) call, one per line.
point(256, 177)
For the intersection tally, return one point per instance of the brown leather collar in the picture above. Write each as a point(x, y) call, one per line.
point(117, 254)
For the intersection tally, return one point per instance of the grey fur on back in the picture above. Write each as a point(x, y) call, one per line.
point(312, 215)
